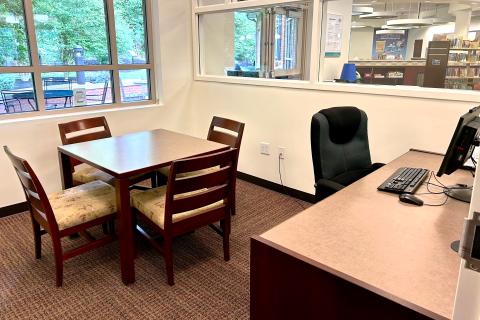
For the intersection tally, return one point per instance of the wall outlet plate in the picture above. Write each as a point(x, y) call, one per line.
point(265, 148)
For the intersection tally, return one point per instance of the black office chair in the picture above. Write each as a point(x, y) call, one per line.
point(340, 150)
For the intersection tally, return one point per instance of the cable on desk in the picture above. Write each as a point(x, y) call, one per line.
point(439, 184)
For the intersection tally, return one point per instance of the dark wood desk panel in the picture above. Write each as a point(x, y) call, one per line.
point(394, 250)
point(125, 157)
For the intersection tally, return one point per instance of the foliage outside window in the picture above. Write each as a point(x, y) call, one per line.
point(81, 53)
point(266, 42)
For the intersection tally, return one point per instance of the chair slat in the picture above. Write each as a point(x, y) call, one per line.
point(25, 179)
point(200, 199)
point(228, 124)
point(88, 137)
point(206, 180)
point(81, 125)
point(218, 159)
point(222, 137)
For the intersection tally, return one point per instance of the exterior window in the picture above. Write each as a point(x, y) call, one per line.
point(80, 53)
point(267, 42)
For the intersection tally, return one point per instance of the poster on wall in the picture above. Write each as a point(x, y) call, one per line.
point(389, 44)
point(333, 45)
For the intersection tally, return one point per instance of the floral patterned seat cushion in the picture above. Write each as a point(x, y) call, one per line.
point(84, 173)
point(152, 204)
point(84, 203)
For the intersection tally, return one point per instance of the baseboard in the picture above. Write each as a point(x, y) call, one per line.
point(13, 209)
point(277, 187)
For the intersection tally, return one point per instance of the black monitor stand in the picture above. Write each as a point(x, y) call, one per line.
point(459, 192)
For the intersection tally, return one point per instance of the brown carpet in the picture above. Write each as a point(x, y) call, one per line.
point(206, 287)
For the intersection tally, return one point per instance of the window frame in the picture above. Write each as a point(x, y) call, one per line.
point(36, 69)
point(315, 82)
point(232, 5)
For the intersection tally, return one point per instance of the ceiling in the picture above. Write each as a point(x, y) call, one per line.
point(412, 5)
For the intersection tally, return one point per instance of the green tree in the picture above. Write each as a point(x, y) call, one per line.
point(13, 39)
point(246, 37)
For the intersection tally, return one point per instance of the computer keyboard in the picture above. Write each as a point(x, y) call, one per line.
point(405, 180)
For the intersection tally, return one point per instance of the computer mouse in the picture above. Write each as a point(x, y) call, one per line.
point(410, 198)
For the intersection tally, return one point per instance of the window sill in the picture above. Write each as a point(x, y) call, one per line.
point(25, 117)
point(382, 90)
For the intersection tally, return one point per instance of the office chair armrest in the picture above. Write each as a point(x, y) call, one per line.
point(328, 184)
point(376, 166)
point(325, 188)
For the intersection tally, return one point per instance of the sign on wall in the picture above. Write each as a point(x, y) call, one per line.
point(389, 44)
point(333, 45)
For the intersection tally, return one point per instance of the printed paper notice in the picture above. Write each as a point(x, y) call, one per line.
point(333, 45)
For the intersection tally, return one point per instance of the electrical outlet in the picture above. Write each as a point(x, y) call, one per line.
point(282, 152)
point(265, 148)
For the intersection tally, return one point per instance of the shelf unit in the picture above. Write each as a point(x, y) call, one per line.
point(463, 70)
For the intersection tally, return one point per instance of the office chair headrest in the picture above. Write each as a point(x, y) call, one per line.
point(343, 122)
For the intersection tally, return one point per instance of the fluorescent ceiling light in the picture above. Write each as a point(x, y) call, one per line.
point(357, 25)
point(409, 23)
point(357, 11)
point(385, 27)
point(390, 32)
point(439, 21)
point(379, 15)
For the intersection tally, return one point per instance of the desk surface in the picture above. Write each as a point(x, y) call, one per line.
point(397, 250)
point(139, 152)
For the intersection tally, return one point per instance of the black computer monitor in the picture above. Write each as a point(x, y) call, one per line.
point(460, 150)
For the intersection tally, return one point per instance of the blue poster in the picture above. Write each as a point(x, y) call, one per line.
point(389, 44)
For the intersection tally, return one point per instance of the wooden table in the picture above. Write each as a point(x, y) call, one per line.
point(125, 157)
point(362, 254)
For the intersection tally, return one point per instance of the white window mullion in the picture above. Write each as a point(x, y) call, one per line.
point(34, 57)
point(113, 51)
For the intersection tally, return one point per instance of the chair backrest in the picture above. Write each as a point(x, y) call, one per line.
point(233, 139)
point(105, 90)
point(53, 81)
point(72, 132)
point(339, 141)
point(203, 189)
point(34, 193)
point(9, 100)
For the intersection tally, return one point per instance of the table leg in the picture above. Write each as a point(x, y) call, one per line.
point(65, 170)
point(126, 236)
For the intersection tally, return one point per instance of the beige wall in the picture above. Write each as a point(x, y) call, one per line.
point(37, 140)
point(282, 116)
point(361, 42)
point(277, 115)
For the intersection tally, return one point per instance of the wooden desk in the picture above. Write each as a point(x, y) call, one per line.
point(128, 156)
point(362, 254)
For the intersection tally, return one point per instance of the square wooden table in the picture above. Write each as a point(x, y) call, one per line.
point(125, 157)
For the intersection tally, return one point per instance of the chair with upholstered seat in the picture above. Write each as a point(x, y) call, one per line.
point(221, 130)
point(87, 130)
point(340, 149)
point(81, 131)
point(66, 212)
point(189, 202)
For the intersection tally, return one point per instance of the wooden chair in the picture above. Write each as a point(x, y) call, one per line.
point(231, 134)
point(82, 131)
point(65, 213)
point(189, 202)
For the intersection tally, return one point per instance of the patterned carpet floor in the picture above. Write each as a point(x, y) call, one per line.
point(206, 287)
